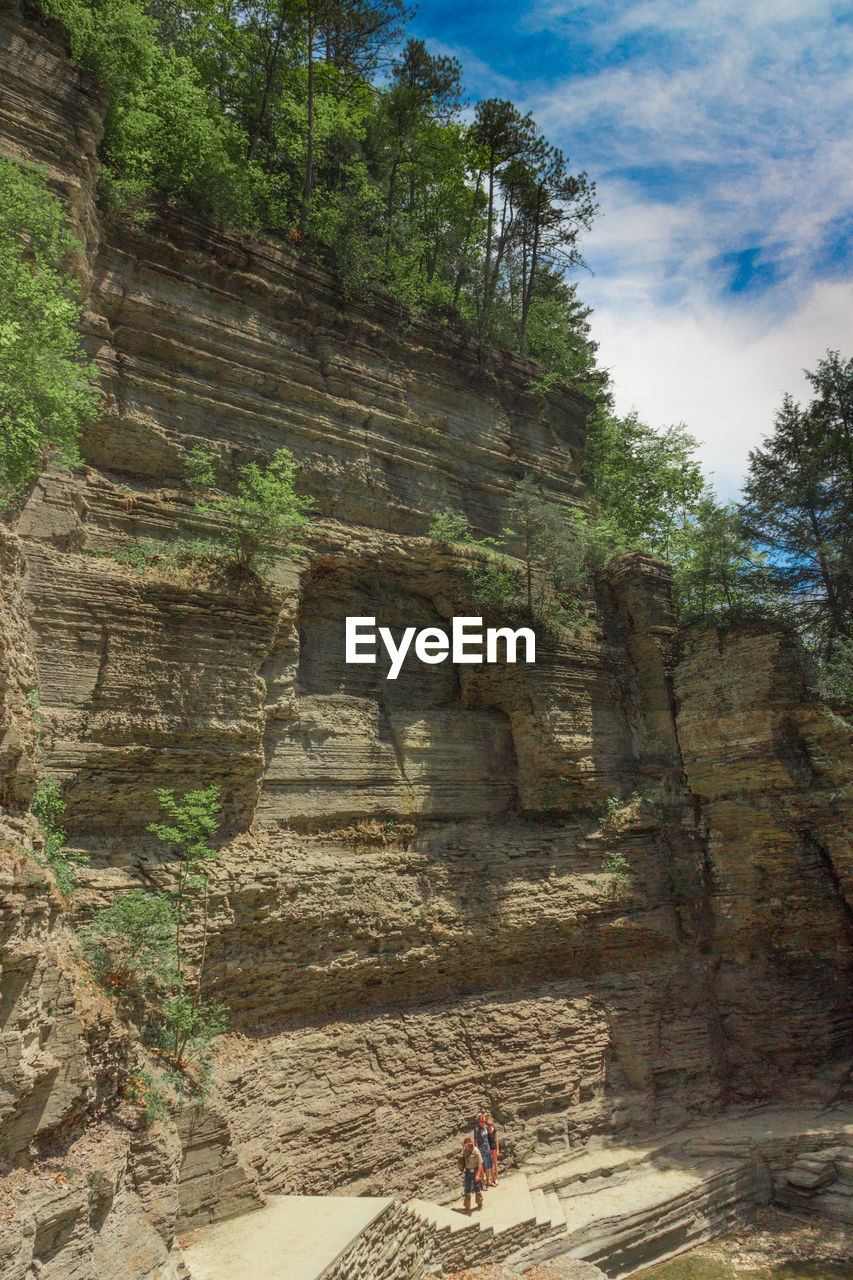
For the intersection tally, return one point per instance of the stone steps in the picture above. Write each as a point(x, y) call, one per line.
point(514, 1216)
point(624, 1225)
point(589, 1165)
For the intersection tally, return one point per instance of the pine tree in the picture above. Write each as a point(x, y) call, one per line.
point(799, 504)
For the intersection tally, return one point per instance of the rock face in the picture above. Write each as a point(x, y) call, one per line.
point(87, 1191)
point(417, 910)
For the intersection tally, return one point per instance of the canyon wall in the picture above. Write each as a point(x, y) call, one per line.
point(415, 913)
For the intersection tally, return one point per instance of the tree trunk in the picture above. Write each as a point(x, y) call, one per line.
point(527, 292)
point(489, 229)
point(272, 63)
point(309, 156)
point(389, 209)
point(457, 290)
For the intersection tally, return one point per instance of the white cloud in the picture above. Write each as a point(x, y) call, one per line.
point(755, 155)
point(722, 374)
point(714, 129)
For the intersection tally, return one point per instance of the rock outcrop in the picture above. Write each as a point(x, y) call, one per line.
point(87, 1190)
point(416, 911)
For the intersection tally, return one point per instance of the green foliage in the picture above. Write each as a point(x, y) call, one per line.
point(180, 553)
point(199, 470)
point(130, 943)
point(835, 679)
point(654, 498)
point(551, 547)
point(496, 584)
point(798, 505)
point(556, 552)
point(194, 818)
point(194, 822)
point(163, 129)
point(48, 806)
point(149, 1093)
point(617, 816)
point(618, 870)
point(190, 1027)
point(718, 572)
point(648, 483)
point(265, 512)
point(293, 118)
point(138, 945)
point(449, 526)
point(46, 386)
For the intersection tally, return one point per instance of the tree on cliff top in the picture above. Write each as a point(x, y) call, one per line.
point(295, 117)
point(46, 384)
point(799, 504)
point(649, 482)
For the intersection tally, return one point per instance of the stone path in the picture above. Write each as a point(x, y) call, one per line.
point(291, 1238)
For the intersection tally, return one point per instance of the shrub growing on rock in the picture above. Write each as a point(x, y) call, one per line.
point(139, 946)
point(46, 385)
point(130, 944)
point(265, 512)
point(48, 806)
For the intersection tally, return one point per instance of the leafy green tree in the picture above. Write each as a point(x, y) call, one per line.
point(140, 947)
point(648, 482)
point(496, 583)
point(292, 116)
point(449, 526)
point(46, 384)
point(199, 470)
point(554, 206)
point(265, 512)
point(502, 133)
point(559, 338)
point(718, 572)
point(550, 547)
point(131, 942)
point(357, 34)
point(194, 821)
point(163, 129)
point(424, 90)
point(798, 504)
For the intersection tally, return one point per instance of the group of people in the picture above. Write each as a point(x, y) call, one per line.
point(479, 1161)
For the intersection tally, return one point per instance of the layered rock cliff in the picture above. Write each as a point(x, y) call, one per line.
point(413, 914)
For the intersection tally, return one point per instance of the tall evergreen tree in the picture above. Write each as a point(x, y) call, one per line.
point(503, 134)
point(799, 503)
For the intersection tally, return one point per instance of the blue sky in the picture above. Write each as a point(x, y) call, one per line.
point(720, 136)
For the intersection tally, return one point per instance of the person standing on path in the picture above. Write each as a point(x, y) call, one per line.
point(481, 1139)
point(471, 1164)
point(494, 1148)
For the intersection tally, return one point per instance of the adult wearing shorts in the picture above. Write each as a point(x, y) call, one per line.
point(471, 1165)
